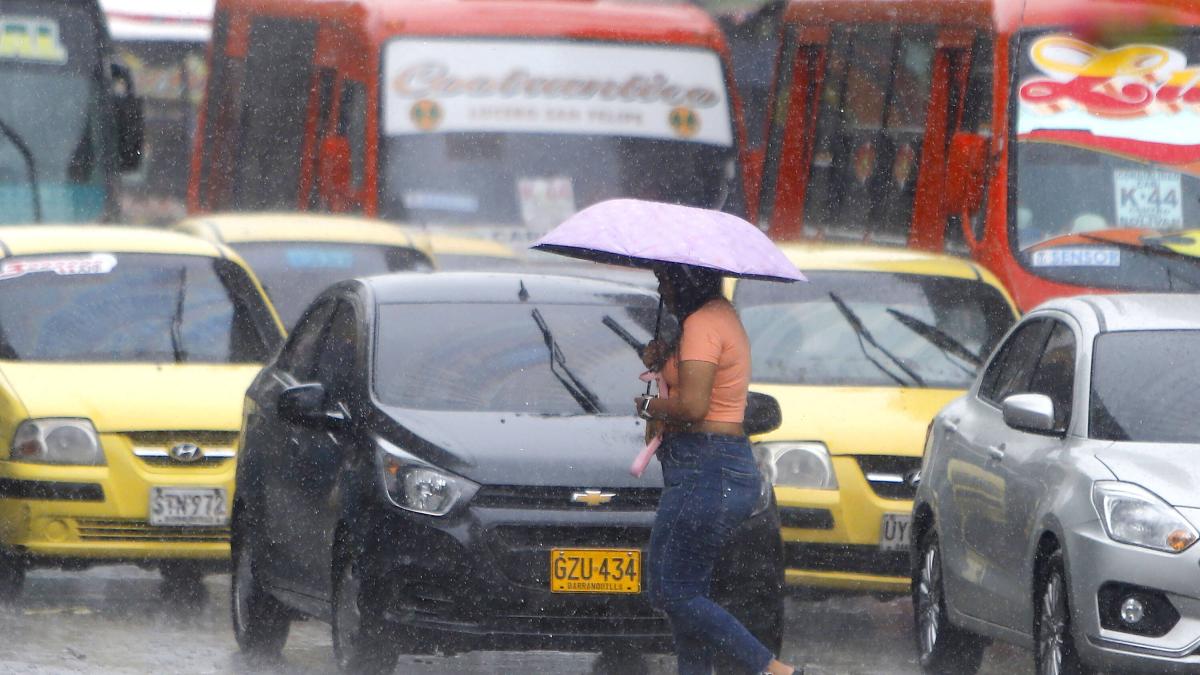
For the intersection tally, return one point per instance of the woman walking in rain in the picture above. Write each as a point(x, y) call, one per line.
point(711, 481)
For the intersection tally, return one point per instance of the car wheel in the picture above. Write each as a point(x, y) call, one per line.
point(361, 641)
point(260, 622)
point(12, 577)
point(942, 647)
point(1055, 647)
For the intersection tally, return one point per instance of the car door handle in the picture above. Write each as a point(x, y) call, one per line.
point(996, 452)
point(950, 425)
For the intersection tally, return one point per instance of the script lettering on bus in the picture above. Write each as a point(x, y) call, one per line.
point(431, 79)
point(1132, 80)
point(36, 39)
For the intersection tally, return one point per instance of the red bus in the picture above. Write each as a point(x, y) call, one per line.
point(1057, 142)
point(494, 117)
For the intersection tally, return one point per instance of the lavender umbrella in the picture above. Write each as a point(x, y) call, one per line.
point(637, 233)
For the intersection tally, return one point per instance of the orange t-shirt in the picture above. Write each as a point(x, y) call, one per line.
point(714, 334)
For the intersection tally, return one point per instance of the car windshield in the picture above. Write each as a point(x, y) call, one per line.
point(846, 328)
point(49, 71)
point(495, 357)
point(1105, 172)
point(128, 308)
point(525, 133)
point(1141, 384)
point(294, 273)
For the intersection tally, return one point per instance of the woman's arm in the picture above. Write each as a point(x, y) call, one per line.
point(689, 399)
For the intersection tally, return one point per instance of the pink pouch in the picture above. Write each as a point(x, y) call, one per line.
point(643, 458)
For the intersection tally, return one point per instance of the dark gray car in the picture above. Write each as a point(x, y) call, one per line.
point(1058, 507)
point(441, 463)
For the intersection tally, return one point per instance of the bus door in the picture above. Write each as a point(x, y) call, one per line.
point(332, 175)
point(862, 122)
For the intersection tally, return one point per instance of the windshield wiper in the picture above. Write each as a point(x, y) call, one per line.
point(177, 319)
point(30, 166)
point(586, 399)
point(938, 338)
point(1156, 252)
point(626, 336)
point(861, 332)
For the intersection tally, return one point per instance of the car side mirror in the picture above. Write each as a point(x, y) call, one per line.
point(130, 120)
point(335, 173)
point(966, 173)
point(1029, 412)
point(763, 414)
point(305, 405)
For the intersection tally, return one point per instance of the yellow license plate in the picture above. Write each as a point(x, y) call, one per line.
point(595, 570)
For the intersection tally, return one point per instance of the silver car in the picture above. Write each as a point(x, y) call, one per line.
point(1059, 499)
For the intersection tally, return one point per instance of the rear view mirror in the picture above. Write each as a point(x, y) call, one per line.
point(130, 120)
point(1029, 412)
point(335, 173)
point(763, 414)
point(303, 404)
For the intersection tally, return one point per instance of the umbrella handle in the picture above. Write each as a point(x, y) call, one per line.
point(657, 327)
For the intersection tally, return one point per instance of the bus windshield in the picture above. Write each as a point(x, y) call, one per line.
point(524, 134)
point(49, 69)
point(1108, 140)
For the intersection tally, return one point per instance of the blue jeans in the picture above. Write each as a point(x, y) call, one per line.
point(711, 484)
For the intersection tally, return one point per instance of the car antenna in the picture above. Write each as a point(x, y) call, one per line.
point(522, 294)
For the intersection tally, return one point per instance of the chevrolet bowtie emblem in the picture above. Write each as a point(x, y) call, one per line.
point(592, 497)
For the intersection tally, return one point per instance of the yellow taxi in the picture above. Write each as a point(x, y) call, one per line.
point(125, 354)
point(298, 255)
point(458, 252)
point(860, 358)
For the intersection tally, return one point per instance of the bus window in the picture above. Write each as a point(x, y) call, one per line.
point(279, 71)
point(325, 81)
point(352, 123)
point(869, 134)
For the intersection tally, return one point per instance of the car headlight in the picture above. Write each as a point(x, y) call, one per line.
point(416, 485)
point(57, 441)
point(800, 464)
point(1133, 515)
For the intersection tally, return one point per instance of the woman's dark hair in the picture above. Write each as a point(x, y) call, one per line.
point(693, 287)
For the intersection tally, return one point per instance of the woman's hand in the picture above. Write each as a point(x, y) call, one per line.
point(655, 354)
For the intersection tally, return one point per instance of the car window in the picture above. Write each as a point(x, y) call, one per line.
point(1054, 375)
point(936, 328)
point(299, 356)
point(336, 355)
point(1010, 370)
point(495, 358)
point(1143, 385)
point(131, 307)
point(294, 272)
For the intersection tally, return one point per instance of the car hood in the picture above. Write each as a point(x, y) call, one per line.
point(134, 396)
point(519, 449)
point(857, 420)
point(1169, 470)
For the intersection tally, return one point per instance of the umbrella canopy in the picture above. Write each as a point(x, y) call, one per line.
point(638, 233)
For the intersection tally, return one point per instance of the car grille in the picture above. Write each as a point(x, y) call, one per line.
point(886, 475)
point(140, 531)
point(559, 498)
point(847, 558)
point(153, 447)
point(523, 552)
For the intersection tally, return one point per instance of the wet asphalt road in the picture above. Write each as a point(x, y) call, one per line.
point(119, 620)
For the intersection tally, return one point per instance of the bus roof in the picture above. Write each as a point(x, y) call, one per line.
point(591, 19)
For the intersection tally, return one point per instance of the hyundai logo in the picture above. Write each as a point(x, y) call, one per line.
point(592, 497)
point(186, 453)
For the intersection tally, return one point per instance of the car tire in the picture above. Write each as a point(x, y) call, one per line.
point(362, 643)
point(942, 648)
point(12, 577)
point(260, 622)
point(1054, 646)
